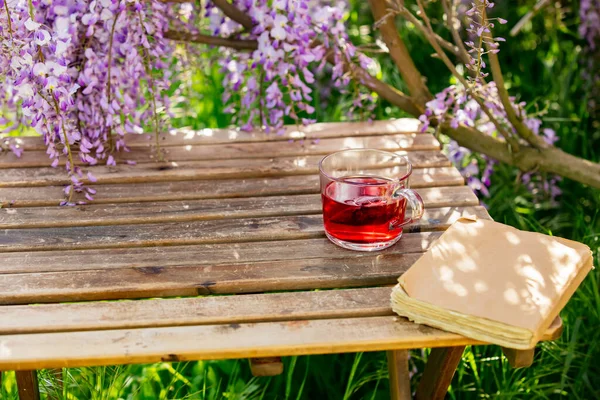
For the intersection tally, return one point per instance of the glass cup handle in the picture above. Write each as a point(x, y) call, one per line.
point(416, 204)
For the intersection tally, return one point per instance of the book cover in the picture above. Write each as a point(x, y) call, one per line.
point(492, 282)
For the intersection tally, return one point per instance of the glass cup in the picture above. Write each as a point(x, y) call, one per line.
point(365, 195)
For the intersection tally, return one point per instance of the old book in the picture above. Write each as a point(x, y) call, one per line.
point(491, 282)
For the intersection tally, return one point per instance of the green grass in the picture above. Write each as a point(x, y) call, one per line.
point(542, 66)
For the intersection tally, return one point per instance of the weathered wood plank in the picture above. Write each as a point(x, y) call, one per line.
point(185, 136)
point(196, 311)
point(200, 232)
point(199, 210)
point(191, 170)
point(148, 153)
point(186, 343)
point(204, 254)
point(206, 189)
point(191, 280)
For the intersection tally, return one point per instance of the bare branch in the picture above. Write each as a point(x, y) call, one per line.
point(522, 130)
point(234, 13)
point(448, 46)
point(237, 44)
point(444, 43)
point(384, 90)
point(528, 17)
point(228, 9)
point(394, 9)
point(398, 51)
point(462, 53)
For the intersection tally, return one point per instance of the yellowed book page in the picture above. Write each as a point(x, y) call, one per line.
point(491, 270)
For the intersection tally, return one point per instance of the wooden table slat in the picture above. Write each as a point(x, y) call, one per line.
point(197, 210)
point(189, 152)
point(190, 280)
point(186, 136)
point(186, 343)
point(190, 170)
point(210, 310)
point(200, 232)
point(196, 255)
point(206, 189)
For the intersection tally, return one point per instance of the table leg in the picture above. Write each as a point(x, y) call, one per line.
point(267, 366)
point(519, 358)
point(398, 371)
point(440, 368)
point(27, 383)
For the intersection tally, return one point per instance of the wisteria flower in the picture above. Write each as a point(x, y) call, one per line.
point(59, 83)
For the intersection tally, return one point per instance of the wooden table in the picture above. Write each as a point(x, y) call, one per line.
point(228, 213)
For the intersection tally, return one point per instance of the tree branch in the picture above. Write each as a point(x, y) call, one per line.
point(521, 129)
point(528, 17)
point(238, 44)
point(449, 46)
point(384, 90)
point(551, 160)
point(462, 53)
point(234, 13)
point(399, 53)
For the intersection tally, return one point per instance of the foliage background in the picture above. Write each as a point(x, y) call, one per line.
point(543, 66)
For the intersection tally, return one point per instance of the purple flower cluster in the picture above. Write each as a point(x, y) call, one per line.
point(295, 40)
point(480, 29)
point(81, 74)
point(589, 29)
point(124, 45)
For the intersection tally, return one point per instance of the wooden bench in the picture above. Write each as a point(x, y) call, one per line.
point(228, 213)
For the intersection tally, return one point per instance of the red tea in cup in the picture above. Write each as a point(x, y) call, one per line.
point(362, 210)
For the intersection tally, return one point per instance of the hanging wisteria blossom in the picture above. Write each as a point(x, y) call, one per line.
point(589, 13)
point(295, 40)
point(82, 74)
